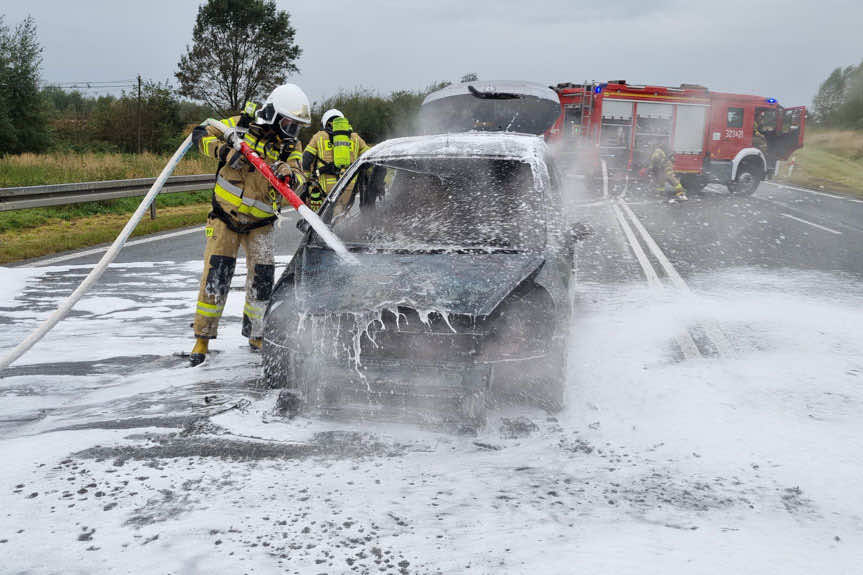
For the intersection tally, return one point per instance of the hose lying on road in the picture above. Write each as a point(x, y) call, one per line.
point(97, 271)
point(118, 244)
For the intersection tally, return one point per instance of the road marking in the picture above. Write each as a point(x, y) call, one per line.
point(147, 240)
point(649, 272)
point(684, 340)
point(814, 225)
point(604, 179)
point(713, 331)
point(808, 191)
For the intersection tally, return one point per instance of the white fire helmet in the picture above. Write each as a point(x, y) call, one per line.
point(329, 115)
point(288, 107)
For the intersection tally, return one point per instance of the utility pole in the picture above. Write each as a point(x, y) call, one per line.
point(139, 113)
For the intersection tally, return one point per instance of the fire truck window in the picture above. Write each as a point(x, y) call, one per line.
point(791, 121)
point(765, 120)
point(689, 129)
point(572, 126)
point(616, 124)
point(735, 118)
point(652, 127)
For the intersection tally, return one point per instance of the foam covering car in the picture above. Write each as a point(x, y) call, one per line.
point(460, 299)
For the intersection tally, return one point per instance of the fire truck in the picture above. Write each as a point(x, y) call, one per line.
point(709, 133)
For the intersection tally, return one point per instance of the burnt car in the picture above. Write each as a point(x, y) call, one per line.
point(460, 299)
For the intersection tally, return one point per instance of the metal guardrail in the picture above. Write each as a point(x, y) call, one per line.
point(63, 194)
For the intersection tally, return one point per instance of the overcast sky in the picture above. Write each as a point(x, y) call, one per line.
point(782, 49)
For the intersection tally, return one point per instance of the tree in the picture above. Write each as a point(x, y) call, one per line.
point(115, 120)
point(22, 109)
point(241, 50)
point(830, 96)
point(469, 77)
point(839, 102)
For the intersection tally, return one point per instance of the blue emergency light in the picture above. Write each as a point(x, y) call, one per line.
point(771, 100)
point(598, 89)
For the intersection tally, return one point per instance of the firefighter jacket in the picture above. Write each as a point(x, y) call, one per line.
point(318, 158)
point(242, 197)
point(659, 162)
point(662, 169)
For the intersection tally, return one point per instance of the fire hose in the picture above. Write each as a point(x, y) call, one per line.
point(66, 306)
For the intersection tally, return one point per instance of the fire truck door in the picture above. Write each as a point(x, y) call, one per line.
point(790, 132)
point(728, 131)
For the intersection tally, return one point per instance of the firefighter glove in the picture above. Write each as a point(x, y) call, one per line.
point(329, 168)
point(237, 160)
point(199, 133)
point(279, 165)
point(233, 137)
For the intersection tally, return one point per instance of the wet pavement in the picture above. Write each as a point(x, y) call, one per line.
point(738, 454)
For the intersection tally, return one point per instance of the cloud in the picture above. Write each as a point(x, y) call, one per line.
point(772, 47)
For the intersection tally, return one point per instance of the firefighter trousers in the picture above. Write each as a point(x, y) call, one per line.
point(665, 176)
point(220, 258)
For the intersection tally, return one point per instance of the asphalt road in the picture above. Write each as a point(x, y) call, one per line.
point(779, 227)
point(712, 420)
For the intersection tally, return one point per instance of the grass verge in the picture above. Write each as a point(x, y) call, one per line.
point(60, 168)
point(36, 232)
point(829, 160)
point(36, 217)
point(60, 235)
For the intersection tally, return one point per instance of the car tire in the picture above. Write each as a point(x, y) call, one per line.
point(749, 176)
point(472, 411)
point(551, 395)
point(277, 367)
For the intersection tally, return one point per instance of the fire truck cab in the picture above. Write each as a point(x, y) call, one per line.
point(714, 137)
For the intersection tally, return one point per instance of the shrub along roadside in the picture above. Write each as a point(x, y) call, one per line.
point(60, 235)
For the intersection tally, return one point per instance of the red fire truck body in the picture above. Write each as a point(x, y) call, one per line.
point(709, 133)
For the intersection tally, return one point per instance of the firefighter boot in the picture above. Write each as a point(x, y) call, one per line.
point(255, 343)
point(679, 195)
point(199, 352)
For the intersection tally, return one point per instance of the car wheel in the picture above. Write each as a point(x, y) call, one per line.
point(748, 178)
point(550, 393)
point(277, 367)
point(472, 408)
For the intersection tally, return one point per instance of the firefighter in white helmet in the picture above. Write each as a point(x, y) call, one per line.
point(328, 155)
point(245, 207)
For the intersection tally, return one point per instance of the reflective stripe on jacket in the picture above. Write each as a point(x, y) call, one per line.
point(243, 193)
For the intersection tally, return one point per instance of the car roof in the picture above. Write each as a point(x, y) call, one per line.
point(525, 147)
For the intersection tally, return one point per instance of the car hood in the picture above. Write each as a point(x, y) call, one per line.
point(472, 284)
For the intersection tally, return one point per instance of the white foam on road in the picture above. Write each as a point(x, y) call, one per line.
point(747, 464)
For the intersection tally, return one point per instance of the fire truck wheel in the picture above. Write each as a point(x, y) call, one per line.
point(748, 178)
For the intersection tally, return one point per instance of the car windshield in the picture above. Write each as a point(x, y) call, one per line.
point(441, 203)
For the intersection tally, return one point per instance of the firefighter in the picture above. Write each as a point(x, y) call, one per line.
point(662, 170)
point(328, 154)
point(245, 207)
point(758, 130)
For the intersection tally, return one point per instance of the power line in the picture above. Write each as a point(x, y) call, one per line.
point(92, 84)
